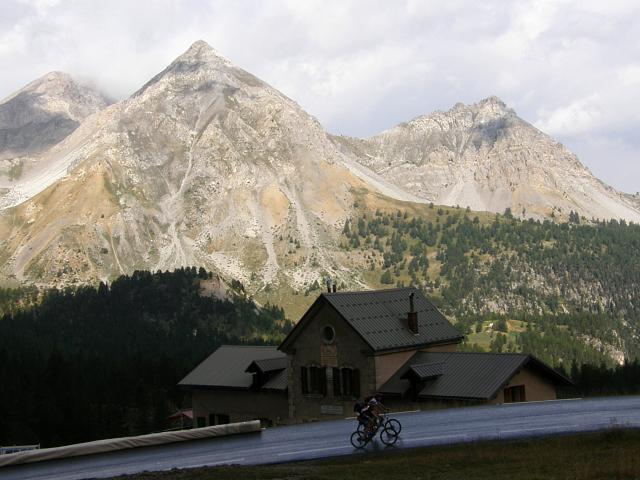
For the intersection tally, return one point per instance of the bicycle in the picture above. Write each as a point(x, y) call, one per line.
point(360, 438)
point(383, 419)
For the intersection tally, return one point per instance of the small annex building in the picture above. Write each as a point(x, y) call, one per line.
point(352, 344)
point(239, 383)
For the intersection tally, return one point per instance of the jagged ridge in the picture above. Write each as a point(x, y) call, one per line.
point(484, 156)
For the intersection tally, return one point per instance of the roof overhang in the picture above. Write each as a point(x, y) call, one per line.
point(232, 389)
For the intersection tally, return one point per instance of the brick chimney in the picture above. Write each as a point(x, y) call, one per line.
point(412, 316)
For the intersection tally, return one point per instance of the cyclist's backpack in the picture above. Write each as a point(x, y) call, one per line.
point(358, 407)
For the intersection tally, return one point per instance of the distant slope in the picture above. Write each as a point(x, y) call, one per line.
point(485, 157)
point(563, 291)
point(36, 118)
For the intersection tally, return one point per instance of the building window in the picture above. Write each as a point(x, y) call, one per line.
point(514, 394)
point(346, 382)
point(218, 419)
point(314, 380)
point(328, 334)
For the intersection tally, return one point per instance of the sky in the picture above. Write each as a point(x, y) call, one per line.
point(571, 68)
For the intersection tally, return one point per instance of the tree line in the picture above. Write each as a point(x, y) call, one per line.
point(103, 361)
point(576, 283)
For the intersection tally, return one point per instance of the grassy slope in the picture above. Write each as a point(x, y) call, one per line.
point(609, 455)
point(295, 303)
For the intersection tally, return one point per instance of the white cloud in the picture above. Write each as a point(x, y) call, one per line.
point(360, 66)
point(579, 117)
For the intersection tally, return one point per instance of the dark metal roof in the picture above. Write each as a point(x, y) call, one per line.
point(380, 317)
point(426, 370)
point(279, 381)
point(226, 367)
point(467, 375)
point(268, 364)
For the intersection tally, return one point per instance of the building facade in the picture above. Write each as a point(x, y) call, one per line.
point(352, 344)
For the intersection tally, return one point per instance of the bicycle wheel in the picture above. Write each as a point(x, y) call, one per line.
point(358, 439)
point(394, 425)
point(388, 436)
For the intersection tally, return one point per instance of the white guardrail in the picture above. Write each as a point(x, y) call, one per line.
point(111, 444)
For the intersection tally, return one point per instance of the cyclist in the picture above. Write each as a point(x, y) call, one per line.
point(366, 416)
point(376, 406)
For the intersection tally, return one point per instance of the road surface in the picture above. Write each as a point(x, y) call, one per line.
point(331, 438)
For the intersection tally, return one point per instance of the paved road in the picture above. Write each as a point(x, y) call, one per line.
point(328, 439)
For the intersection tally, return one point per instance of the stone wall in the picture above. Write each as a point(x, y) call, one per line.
point(240, 405)
point(536, 387)
point(311, 349)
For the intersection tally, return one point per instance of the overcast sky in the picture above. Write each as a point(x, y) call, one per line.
point(572, 68)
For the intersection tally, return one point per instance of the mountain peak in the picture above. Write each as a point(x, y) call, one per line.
point(44, 112)
point(55, 76)
point(492, 100)
point(44, 84)
point(199, 45)
point(200, 51)
point(492, 107)
point(198, 66)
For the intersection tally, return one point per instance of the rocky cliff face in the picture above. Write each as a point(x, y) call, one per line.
point(207, 165)
point(37, 117)
point(204, 165)
point(485, 157)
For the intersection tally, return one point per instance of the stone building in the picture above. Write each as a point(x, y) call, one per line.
point(351, 344)
point(239, 383)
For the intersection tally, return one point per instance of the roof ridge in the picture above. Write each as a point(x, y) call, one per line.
point(486, 353)
point(360, 292)
point(249, 346)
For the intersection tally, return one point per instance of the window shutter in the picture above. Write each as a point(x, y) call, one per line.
point(304, 380)
point(347, 387)
point(337, 390)
point(322, 377)
point(355, 383)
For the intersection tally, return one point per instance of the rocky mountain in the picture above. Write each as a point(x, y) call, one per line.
point(33, 120)
point(204, 165)
point(208, 165)
point(484, 156)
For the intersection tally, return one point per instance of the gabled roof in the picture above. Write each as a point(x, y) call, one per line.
point(279, 381)
point(226, 367)
point(268, 364)
point(425, 370)
point(472, 376)
point(380, 318)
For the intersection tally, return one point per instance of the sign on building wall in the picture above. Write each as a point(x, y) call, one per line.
point(329, 355)
point(331, 410)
